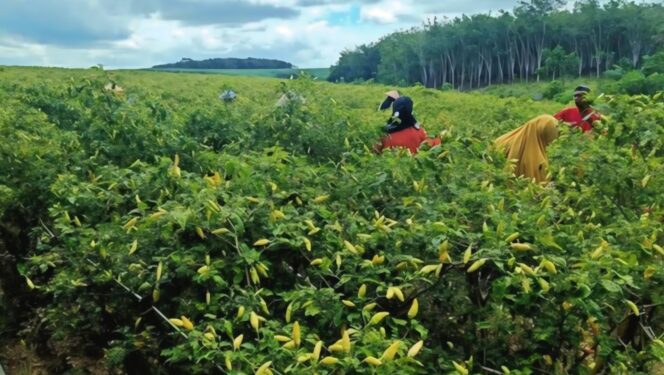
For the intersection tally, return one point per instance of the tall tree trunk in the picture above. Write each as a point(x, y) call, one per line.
point(511, 63)
point(521, 60)
point(580, 56)
point(424, 74)
point(527, 60)
point(636, 54)
point(500, 70)
point(598, 49)
point(432, 74)
point(488, 64)
point(452, 69)
point(540, 49)
point(471, 76)
point(443, 69)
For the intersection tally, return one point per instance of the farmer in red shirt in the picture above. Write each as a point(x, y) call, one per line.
point(582, 115)
point(402, 129)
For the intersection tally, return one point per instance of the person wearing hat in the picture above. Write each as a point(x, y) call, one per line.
point(582, 115)
point(391, 96)
point(228, 96)
point(290, 97)
point(114, 88)
point(403, 130)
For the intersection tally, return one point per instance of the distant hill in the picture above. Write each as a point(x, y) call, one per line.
point(227, 63)
point(319, 73)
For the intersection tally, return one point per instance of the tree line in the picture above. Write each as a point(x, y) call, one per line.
point(227, 63)
point(539, 38)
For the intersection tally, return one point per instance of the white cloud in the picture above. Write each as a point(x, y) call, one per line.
point(143, 33)
point(23, 53)
point(285, 31)
point(385, 12)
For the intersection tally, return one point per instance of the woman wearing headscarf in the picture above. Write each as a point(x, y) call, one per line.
point(403, 130)
point(527, 146)
point(390, 97)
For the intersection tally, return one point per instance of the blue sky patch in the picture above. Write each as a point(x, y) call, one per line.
point(346, 18)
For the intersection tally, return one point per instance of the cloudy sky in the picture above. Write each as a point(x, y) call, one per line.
point(142, 33)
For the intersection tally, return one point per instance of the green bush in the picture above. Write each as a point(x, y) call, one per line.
point(6, 198)
point(293, 235)
point(217, 127)
point(553, 89)
point(615, 74)
point(654, 64)
point(446, 87)
point(635, 82)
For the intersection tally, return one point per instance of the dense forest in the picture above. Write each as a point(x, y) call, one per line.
point(539, 38)
point(227, 63)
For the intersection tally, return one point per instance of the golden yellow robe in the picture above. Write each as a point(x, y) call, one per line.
point(527, 146)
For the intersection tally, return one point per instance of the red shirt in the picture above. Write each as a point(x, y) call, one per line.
point(410, 138)
point(573, 117)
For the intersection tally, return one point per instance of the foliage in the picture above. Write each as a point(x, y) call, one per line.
point(352, 65)
point(654, 64)
point(227, 63)
point(446, 87)
point(319, 73)
point(473, 51)
point(554, 89)
point(284, 226)
point(637, 122)
point(558, 63)
point(635, 82)
point(616, 73)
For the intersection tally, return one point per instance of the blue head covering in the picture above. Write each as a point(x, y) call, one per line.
point(402, 115)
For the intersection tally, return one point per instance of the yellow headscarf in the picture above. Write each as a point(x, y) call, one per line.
point(527, 145)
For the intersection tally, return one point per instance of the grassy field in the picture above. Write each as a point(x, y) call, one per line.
point(320, 73)
point(274, 241)
point(537, 90)
point(185, 92)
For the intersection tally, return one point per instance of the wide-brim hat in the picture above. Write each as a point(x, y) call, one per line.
point(390, 97)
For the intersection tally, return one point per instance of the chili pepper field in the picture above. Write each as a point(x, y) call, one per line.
point(158, 227)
